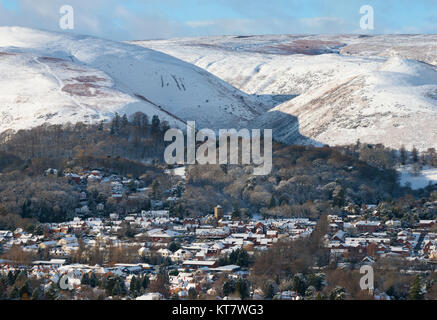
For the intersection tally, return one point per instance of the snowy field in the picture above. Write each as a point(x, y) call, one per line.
point(427, 176)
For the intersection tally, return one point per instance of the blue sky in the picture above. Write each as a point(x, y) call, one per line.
point(151, 19)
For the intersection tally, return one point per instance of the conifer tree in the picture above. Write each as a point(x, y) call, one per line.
point(242, 288)
point(416, 289)
point(85, 279)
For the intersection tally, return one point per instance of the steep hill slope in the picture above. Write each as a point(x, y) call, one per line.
point(328, 88)
point(64, 78)
point(394, 105)
point(293, 64)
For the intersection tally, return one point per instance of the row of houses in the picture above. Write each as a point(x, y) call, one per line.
point(202, 242)
point(352, 238)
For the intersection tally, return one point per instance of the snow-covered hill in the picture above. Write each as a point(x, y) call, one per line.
point(58, 78)
point(266, 65)
point(293, 64)
point(322, 89)
point(394, 105)
point(331, 89)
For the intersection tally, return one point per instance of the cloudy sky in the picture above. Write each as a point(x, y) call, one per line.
point(154, 19)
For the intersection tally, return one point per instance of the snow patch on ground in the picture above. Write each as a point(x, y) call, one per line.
point(180, 172)
point(423, 179)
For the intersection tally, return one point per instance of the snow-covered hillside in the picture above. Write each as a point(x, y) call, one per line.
point(319, 89)
point(58, 78)
point(293, 64)
point(348, 87)
point(395, 105)
point(267, 65)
